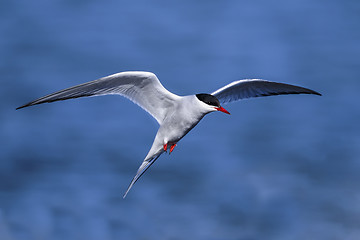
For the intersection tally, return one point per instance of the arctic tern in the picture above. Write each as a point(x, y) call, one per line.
point(176, 115)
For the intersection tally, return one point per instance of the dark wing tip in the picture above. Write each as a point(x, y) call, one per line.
point(309, 91)
point(316, 93)
point(306, 91)
point(36, 102)
point(52, 98)
point(300, 90)
point(24, 106)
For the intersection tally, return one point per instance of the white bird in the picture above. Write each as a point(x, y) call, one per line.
point(176, 115)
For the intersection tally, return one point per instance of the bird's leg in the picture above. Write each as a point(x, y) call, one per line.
point(172, 147)
point(165, 147)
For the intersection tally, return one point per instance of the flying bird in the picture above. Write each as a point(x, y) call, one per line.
point(176, 115)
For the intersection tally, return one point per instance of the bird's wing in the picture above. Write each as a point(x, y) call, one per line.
point(142, 169)
point(249, 88)
point(143, 88)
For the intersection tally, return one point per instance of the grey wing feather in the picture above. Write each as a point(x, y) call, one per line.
point(143, 88)
point(249, 88)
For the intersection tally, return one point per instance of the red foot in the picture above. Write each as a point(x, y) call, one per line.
point(172, 147)
point(165, 147)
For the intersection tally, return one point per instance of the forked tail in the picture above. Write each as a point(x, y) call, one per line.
point(142, 169)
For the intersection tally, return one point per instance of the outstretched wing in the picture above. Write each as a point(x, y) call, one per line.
point(143, 88)
point(249, 88)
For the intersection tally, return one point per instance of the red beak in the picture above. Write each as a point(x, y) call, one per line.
point(221, 109)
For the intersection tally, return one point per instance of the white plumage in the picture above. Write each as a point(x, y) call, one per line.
point(176, 115)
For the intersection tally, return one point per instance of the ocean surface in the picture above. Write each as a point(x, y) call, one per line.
point(284, 167)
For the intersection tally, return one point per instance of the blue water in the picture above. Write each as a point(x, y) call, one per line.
point(282, 167)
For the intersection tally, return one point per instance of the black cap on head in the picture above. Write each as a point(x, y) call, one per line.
point(208, 99)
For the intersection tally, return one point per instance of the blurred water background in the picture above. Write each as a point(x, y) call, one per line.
point(282, 167)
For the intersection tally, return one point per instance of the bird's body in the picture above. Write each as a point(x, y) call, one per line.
point(177, 115)
point(178, 121)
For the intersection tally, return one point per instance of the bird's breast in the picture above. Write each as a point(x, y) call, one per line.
point(179, 123)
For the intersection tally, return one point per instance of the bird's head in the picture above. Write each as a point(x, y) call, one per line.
point(212, 102)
